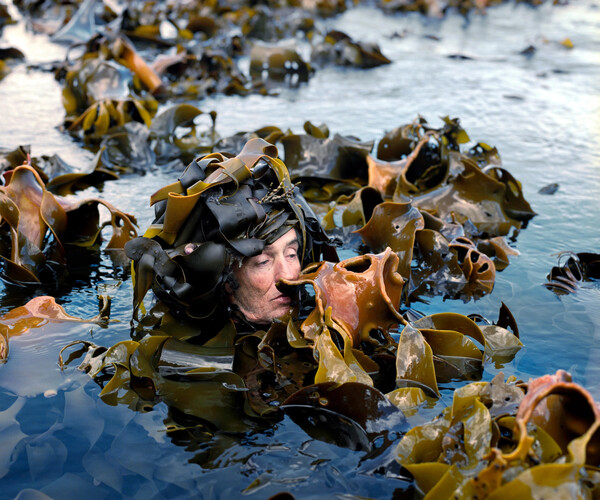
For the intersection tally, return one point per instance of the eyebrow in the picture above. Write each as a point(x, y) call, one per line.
point(294, 242)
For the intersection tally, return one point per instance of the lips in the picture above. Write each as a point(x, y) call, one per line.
point(282, 299)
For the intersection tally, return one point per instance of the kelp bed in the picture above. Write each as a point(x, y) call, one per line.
point(419, 392)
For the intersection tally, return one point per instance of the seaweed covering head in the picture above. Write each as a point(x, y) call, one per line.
point(222, 207)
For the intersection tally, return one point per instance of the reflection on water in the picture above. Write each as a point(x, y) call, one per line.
point(541, 111)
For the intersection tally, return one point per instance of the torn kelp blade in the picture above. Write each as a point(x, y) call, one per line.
point(363, 404)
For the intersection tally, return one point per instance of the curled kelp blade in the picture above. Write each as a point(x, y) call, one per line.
point(454, 322)
point(126, 149)
point(567, 412)
point(477, 267)
point(393, 225)
point(361, 206)
point(362, 294)
point(64, 179)
point(277, 61)
point(572, 269)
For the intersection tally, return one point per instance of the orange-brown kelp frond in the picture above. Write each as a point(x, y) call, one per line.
point(37, 225)
point(483, 446)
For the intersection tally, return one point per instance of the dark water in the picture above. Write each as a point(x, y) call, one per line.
point(541, 112)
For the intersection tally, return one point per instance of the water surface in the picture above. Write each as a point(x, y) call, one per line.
point(542, 112)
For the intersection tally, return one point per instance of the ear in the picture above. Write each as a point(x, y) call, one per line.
point(228, 290)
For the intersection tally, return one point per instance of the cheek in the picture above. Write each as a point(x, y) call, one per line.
point(254, 281)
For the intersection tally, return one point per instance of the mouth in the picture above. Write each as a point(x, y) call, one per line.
point(282, 299)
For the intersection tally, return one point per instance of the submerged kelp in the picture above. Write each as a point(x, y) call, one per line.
point(269, 373)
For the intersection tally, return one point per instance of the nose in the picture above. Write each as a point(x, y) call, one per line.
point(287, 269)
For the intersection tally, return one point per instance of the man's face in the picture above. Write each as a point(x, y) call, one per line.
point(257, 296)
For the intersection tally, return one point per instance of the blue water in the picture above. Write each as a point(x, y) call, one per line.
point(541, 112)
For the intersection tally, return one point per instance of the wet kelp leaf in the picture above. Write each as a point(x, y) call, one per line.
point(38, 224)
point(357, 295)
point(96, 121)
point(64, 179)
point(126, 149)
point(393, 225)
point(340, 158)
point(498, 250)
point(277, 62)
point(375, 414)
point(80, 27)
point(414, 362)
point(385, 175)
point(572, 269)
point(478, 268)
point(272, 368)
point(524, 460)
point(35, 314)
point(134, 377)
point(428, 167)
point(338, 48)
point(453, 268)
point(361, 208)
point(176, 128)
point(439, 348)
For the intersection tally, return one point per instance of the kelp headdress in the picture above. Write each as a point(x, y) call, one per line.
point(220, 207)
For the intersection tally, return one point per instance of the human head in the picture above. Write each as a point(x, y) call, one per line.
point(223, 209)
point(256, 294)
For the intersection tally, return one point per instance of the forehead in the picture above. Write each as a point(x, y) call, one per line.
point(288, 239)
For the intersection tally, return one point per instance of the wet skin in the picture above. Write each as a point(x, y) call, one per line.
point(257, 296)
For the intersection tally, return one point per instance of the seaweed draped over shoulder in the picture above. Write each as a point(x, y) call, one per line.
point(221, 206)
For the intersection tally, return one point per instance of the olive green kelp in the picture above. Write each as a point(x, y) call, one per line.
point(509, 440)
point(221, 206)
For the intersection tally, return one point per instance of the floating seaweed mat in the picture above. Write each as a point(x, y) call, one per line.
point(426, 165)
point(133, 373)
point(356, 303)
point(572, 269)
point(37, 225)
point(509, 439)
